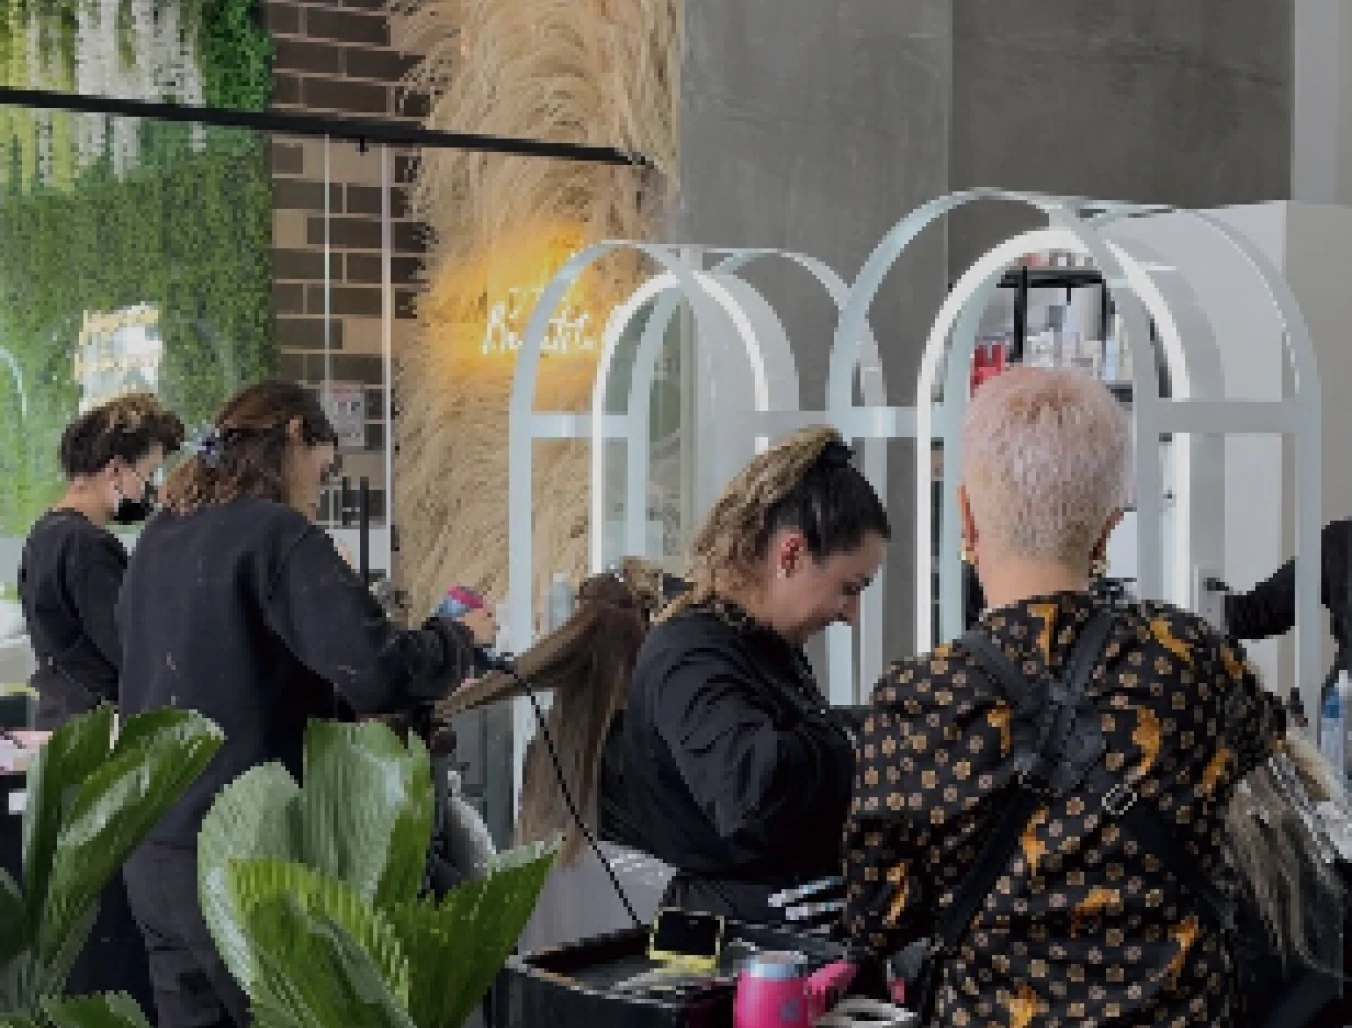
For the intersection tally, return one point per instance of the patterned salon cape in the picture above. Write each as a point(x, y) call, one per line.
point(1083, 928)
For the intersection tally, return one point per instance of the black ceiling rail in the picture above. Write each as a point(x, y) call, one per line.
point(335, 127)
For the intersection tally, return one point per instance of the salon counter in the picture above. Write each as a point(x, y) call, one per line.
point(581, 985)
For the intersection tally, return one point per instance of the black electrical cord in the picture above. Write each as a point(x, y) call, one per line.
point(499, 663)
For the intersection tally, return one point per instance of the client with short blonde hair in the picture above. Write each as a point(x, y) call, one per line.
point(1083, 921)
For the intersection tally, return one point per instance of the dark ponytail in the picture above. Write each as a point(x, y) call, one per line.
point(807, 482)
point(243, 453)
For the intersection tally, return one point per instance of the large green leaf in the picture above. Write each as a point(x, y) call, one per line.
point(16, 957)
point(14, 926)
point(73, 753)
point(312, 974)
point(49, 976)
point(259, 881)
point(456, 948)
point(367, 808)
point(105, 1010)
point(116, 806)
point(255, 816)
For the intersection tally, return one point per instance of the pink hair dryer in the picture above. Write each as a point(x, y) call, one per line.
point(772, 992)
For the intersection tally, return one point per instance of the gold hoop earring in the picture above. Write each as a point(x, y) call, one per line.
point(1098, 567)
point(968, 555)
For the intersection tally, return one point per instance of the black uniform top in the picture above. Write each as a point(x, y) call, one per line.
point(69, 577)
point(1270, 607)
point(734, 768)
point(247, 613)
point(615, 818)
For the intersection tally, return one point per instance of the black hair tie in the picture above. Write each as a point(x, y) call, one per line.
point(836, 454)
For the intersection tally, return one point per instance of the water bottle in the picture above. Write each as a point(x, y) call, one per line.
point(772, 992)
point(1333, 725)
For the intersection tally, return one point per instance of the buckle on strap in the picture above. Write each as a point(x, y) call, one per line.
point(1121, 798)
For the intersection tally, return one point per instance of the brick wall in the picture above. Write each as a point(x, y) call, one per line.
point(334, 56)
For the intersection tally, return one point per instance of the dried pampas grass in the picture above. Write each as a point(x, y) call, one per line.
point(600, 72)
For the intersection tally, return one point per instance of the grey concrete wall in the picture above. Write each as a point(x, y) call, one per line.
point(813, 126)
point(1153, 100)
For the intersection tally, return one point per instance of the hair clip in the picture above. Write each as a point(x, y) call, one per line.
point(205, 444)
point(836, 454)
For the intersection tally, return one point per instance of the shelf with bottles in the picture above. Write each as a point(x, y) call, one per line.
point(1077, 326)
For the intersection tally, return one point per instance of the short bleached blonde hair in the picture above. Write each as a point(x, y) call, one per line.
point(1046, 463)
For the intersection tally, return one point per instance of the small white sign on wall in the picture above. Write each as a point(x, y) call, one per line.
point(347, 411)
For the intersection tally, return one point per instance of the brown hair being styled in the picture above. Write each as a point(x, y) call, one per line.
point(587, 664)
point(244, 452)
point(805, 482)
point(125, 427)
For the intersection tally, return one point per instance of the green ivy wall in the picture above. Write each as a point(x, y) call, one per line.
point(188, 230)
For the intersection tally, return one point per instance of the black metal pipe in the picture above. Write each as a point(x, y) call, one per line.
point(1020, 317)
point(364, 529)
point(285, 123)
point(345, 502)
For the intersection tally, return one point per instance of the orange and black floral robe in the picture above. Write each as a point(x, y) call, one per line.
point(1083, 928)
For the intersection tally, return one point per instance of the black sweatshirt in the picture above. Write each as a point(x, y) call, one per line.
point(247, 613)
point(1270, 607)
point(736, 771)
point(69, 577)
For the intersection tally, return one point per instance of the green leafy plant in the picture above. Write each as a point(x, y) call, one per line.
point(187, 230)
point(312, 893)
point(189, 234)
point(90, 802)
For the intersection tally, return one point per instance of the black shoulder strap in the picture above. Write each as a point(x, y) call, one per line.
point(1141, 820)
point(1155, 835)
point(1004, 838)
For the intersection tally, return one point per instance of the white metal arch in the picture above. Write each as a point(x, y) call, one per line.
point(954, 334)
point(1197, 408)
point(1061, 214)
point(774, 409)
point(861, 360)
point(763, 344)
point(872, 423)
point(526, 425)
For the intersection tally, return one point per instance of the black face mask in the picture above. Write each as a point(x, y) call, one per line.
point(133, 511)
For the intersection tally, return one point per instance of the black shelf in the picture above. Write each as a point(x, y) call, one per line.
point(1023, 279)
point(1051, 278)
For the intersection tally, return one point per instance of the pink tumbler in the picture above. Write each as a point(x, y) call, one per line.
point(772, 992)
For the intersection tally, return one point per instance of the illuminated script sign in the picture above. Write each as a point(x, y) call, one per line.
point(570, 331)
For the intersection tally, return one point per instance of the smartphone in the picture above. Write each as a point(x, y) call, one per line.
point(687, 939)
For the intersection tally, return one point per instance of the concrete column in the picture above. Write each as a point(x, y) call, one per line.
point(1149, 100)
point(1321, 146)
point(812, 127)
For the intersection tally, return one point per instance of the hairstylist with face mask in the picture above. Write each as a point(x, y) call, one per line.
point(72, 566)
point(70, 576)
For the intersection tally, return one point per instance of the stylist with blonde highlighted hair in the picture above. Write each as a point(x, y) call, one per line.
point(737, 771)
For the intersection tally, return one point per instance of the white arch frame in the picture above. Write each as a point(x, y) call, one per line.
point(527, 425)
point(846, 362)
point(1198, 407)
point(717, 289)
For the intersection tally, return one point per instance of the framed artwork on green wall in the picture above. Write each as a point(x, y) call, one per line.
point(133, 253)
